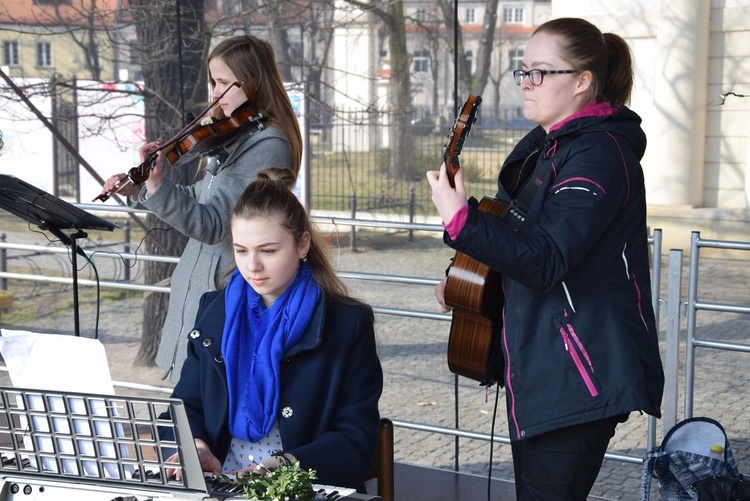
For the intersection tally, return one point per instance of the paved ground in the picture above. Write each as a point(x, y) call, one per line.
point(418, 386)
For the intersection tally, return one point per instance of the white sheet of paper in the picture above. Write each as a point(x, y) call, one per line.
point(56, 362)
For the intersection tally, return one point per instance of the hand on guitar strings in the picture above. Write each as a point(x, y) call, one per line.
point(447, 199)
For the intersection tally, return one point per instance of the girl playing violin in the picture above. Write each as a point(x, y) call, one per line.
point(202, 210)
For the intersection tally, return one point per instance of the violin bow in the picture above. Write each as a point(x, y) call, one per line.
point(151, 157)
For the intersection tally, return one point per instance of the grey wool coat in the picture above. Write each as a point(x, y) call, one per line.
point(202, 211)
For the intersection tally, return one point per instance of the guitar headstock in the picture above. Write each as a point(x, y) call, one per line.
point(458, 134)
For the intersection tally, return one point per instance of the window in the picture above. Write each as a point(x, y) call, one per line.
point(421, 61)
point(134, 56)
point(420, 16)
point(513, 15)
point(515, 56)
point(471, 16)
point(44, 55)
point(470, 62)
point(233, 8)
point(10, 54)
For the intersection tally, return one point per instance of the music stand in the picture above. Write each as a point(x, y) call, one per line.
point(52, 214)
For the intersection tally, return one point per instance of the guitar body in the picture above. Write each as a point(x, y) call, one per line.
point(472, 289)
point(475, 293)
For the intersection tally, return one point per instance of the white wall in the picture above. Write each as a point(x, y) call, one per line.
point(109, 147)
point(698, 148)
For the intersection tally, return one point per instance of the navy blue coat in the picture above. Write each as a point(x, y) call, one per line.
point(330, 385)
point(579, 338)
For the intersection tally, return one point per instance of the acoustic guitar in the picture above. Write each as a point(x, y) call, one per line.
point(472, 289)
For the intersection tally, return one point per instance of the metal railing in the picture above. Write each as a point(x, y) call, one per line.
point(694, 304)
point(654, 241)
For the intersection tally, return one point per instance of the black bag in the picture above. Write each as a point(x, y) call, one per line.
point(722, 489)
point(682, 461)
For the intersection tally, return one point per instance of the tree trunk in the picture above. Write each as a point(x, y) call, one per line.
point(278, 38)
point(162, 28)
point(486, 43)
point(401, 164)
point(456, 44)
point(400, 133)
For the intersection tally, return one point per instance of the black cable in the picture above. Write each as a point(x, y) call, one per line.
point(98, 292)
point(456, 27)
point(492, 442)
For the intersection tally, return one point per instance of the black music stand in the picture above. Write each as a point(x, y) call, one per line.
point(54, 215)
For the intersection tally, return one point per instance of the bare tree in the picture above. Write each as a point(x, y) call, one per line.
point(468, 83)
point(172, 44)
point(400, 132)
point(486, 43)
point(455, 41)
point(279, 39)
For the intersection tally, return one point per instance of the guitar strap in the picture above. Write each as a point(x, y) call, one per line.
point(522, 199)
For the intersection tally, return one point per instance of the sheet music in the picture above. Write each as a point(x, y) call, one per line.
point(63, 363)
point(56, 362)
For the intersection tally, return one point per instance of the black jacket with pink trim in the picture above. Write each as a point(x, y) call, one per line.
point(579, 337)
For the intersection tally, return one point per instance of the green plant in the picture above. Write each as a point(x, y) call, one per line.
point(287, 481)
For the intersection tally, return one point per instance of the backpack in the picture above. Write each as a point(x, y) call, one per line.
point(682, 463)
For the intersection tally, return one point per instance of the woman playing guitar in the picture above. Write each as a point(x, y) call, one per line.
point(579, 336)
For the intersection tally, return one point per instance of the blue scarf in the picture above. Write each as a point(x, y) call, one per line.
point(255, 340)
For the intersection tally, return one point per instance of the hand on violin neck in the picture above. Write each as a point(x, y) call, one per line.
point(155, 178)
point(151, 156)
point(148, 149)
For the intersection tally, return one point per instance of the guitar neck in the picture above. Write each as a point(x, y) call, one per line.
point(451, 167)
point(459, 132)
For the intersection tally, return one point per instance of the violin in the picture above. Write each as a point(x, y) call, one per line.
point(195, 140)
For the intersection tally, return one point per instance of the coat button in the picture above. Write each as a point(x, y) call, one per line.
point(207, 342)
point(287, 412)
point(194, 334)
point(218, 358)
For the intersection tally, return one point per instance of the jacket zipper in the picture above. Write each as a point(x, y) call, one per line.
point(572, 350)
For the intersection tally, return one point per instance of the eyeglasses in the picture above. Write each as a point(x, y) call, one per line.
point(536, 76)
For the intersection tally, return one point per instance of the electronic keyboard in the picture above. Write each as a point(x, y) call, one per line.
point(60, 446)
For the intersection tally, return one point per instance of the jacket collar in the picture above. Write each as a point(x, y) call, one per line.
point(590, 110)
point(314, 334)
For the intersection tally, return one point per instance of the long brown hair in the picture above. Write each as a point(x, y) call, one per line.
point(253, 62)
point(270, 196)
point(606, 55)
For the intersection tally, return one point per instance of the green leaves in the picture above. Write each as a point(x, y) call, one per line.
point(284, 482)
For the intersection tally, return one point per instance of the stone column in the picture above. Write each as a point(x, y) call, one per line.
point(674, 162)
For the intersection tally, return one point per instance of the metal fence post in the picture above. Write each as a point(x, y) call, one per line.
point(412, 208)
point(126, 247)
point(3, 264)
point(671, 359)
point(353, 229)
